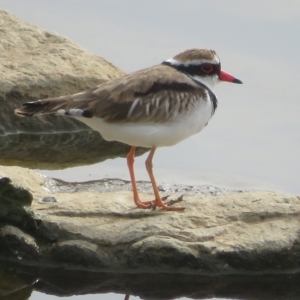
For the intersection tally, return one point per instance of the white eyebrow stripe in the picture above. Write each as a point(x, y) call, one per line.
point(215, 60)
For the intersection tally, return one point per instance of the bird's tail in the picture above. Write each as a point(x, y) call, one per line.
point(42, 107)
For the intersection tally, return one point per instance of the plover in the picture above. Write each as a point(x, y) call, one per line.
point(154, 107)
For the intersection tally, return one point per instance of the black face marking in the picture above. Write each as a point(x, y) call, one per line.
point(207, 68)
point(203, 70)
point(192, 70)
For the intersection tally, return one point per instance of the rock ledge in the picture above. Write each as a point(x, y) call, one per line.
point(249, 232)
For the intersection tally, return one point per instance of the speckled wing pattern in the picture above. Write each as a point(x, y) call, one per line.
point(136, 97)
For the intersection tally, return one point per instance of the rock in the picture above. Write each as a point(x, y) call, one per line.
point(17, 244)
point(36, 64)
point(84, 253)
point(247, 242)
point(224, 234)
point(252, 231)
point(15, 204)
point(51, 64)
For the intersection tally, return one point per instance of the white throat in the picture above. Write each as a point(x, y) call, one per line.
point(209, 81)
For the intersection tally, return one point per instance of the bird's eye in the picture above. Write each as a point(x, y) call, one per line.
point(207, 68)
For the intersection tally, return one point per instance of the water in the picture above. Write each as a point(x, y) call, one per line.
point(27, 282)
point(253, 140)
point(109, 296)
point(40, 296)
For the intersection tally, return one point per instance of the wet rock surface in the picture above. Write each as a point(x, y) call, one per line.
point(36, 64)
point(116, 184)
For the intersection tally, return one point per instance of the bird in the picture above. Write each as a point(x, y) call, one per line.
point(154, 107)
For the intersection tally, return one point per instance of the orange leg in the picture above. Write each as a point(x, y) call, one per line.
point(158, 200)
point(130, 162)
point(148, 204)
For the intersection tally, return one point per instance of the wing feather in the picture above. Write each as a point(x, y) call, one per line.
point(127, 98)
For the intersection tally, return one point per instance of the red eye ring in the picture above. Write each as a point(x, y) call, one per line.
point(207, 68)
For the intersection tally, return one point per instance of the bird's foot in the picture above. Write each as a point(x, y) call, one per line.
point(143, 204)
point(163, 202)
point(172, 201)
point(166, 204)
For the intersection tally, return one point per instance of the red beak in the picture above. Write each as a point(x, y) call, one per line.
point(227, 77)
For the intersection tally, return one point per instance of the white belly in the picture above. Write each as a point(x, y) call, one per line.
point(154, 134)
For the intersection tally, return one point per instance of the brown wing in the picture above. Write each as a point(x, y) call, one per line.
point(153, 94)
point(144, 95)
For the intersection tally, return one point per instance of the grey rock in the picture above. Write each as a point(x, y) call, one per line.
point(17, 244)
point(15, 207)
point(247, 242)
point(227, 233)
point(48, 200)
point(80, 252)
point(36, 64)
point(248, 232)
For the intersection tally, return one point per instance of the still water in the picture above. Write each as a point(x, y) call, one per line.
point(110, 296)
point(40, 296)
point(253, 140)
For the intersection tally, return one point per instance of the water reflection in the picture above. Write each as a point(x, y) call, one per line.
point(17, 282)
